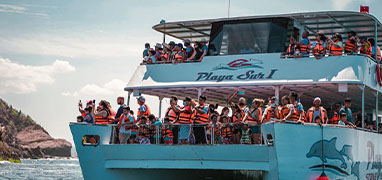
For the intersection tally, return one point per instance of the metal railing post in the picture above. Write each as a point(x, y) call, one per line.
point(363, 106)
point(157, 135)
point(213, 134)
point(376, 111)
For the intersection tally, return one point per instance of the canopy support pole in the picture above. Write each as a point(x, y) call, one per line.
point(277, 93)
point(160, 106)
point(376, 40)
point(376, 110)
point(363, 105)
point(128, 98)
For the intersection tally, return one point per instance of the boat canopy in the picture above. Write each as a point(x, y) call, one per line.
point(327, 22)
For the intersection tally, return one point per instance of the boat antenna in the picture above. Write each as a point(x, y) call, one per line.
point(323, 175)
point(229, 6)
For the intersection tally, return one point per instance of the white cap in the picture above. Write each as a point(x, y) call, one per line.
point(317, 98)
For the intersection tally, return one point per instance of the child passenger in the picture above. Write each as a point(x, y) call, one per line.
point(245, 135)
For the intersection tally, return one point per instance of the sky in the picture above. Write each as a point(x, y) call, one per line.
point(54, 53)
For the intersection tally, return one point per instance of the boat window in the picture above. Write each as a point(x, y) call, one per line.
point(90, 140)
point(243, 37)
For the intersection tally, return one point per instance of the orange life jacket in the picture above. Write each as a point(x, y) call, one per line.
point(167, 132)
point(122, 121)
point(271, 110)
point(200, 118)
point(101, 120)
point(185, 118)
point(235, 117)
point(251, 119)
point(291, 49)
point(335, 119)
point(296, 114)
point(147, 113)
point(179, 55)
point(335, 51)
point(227, 131)
point(171, 115)
point(350, 46)
point(305, 48)
point(319, 48)
point(310, 114)
point(366, 51)
point(284, 111)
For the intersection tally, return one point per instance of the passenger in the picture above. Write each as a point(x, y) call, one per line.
point(203, 42)
point(372, 42)
point(185, 116)
point(151, 59)
point(178, 53)
point(365, 46)
point(217, 128)
point(125, 124)
point(172, 117)
point(271, 112)
point(254, 119)
point(146, 51)
point(212, 51)
point(80, 118)
point(239, 113)
point(158, 51)
point(143, 109)
point(212, 111)
point(304, 45)
point(291, 50)
point(245, 135)
point(334, 117)
point(121, 103)
point(346, 109)
point(172, 45)
point(225, 112)
point(226, 130)
point(200, 120)
point(190, 51)
point(296, 111)
point(336, 45)
point(104, 115)
point(317, 111)
point(351, 45)
point(284, 108)
point(168, 135)
point(198, 49)
point(154, 123)
point(166, 53)
point(89, 118)
point(134, 129)
point(90, 103)
point(319, 46)
point(318, 120)
point(344, 120)
point(143, 131)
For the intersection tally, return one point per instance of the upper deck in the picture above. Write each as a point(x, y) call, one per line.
point(262, 71)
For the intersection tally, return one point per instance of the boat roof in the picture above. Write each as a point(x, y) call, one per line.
point(326, 22)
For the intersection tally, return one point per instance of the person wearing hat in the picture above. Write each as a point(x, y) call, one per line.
point(190, 51)
point(143, 109)
point(178, 53)
point(172, 45)
point(166, 56)
point(351, 45)
point(146, 51)
point(158, 51)
point(200, 120)
point(203, 43)
point(271, 112)
point(317, 111)
point(335, 45)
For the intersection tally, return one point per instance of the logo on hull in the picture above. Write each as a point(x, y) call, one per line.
point(240, 64)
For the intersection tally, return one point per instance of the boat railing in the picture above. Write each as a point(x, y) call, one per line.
point(286, 56)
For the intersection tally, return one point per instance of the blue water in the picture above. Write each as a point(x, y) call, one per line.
point(60, 169)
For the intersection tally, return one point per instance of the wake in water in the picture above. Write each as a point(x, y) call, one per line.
point(61, 169)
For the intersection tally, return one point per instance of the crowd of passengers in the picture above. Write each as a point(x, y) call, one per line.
point(323, 45)
point(177, 52)
point(333, 46)
point(193, 121)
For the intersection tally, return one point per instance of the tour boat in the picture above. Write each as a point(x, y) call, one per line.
point(249, 58)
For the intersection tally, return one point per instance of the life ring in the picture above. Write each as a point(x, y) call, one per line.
point(379, 74)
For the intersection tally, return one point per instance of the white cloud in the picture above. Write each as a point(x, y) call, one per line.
point(7, 8)
point(21, 79)
point(115, 86)
point(94, 46)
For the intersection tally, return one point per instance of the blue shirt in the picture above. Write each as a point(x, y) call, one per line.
point(189, 49)
point(153, 59)
point(146, 52)
point(205, 48)
point(119, 111)
point(123, 128)
point(315, 43)
point(143, 108)
point(348, 113)
point(89, 118)
point(205, 109)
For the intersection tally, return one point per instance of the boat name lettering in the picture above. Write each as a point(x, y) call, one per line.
point(249, 75)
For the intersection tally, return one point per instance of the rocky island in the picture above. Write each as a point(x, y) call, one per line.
point(22, 137)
